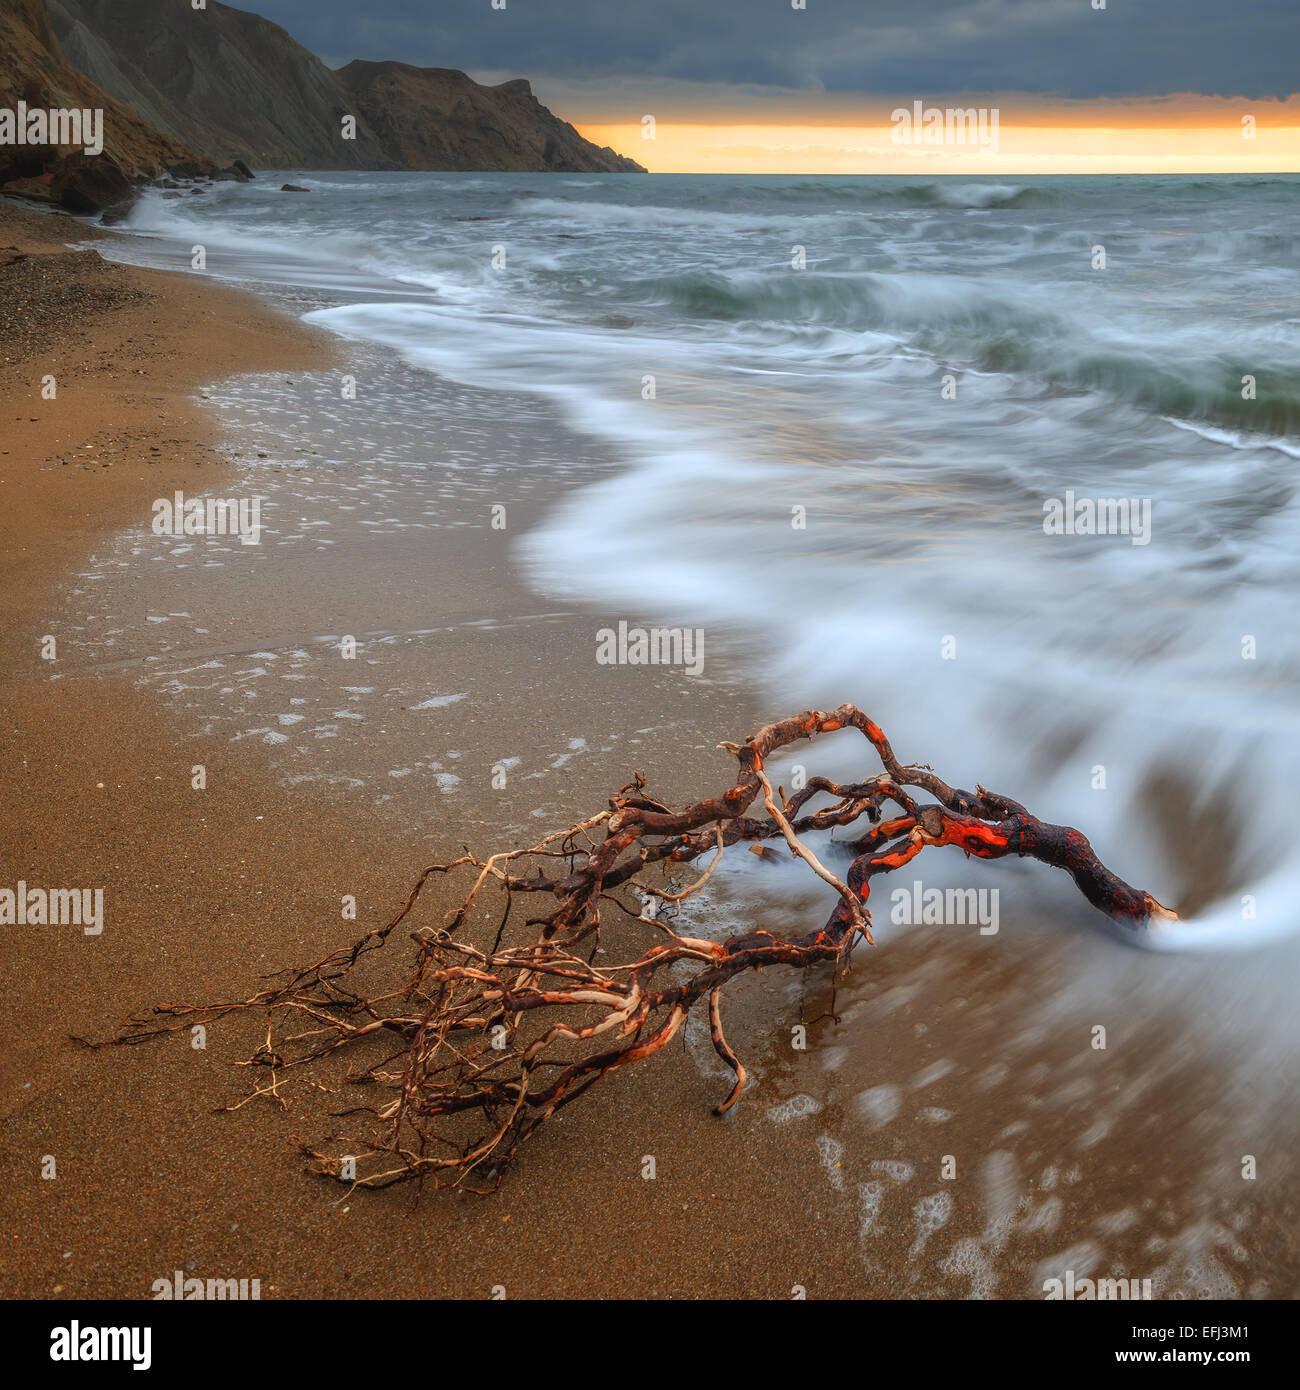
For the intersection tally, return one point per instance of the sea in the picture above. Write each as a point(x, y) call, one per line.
point(1009, 463)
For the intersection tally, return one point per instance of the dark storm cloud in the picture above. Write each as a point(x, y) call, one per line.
point(1134, 47)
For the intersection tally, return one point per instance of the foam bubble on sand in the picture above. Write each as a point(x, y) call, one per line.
point(870, 1196)
point(968, 1260)
point(929, 1215)
point(576, 745)
point(330, 779)
point(1194, 1261)
point(831, 1153)
point(894, 1168)
point(440, 701)
point(793, 1109)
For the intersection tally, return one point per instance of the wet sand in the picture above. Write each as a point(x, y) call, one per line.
point(328, 777)
point(206, 889)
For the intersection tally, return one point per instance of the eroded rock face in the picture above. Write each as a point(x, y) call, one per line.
point(35, 70)
point(231, 85)
point(91, 184)
point(208, 98)
point(234, 86)
point(439, 118)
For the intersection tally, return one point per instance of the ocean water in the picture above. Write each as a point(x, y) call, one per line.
point(865, 392)
point(842, 406)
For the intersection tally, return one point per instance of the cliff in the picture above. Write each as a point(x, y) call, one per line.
point(232, 85)
point(35, 70)
point(438, 118)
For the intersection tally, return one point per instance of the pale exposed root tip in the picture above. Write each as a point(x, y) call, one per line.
point(736, 1091)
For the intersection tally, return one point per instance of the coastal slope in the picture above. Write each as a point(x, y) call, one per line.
point(233, 85)
point(35, 70)
point(438, 118)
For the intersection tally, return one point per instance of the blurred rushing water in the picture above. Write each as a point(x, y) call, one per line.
point(844, 410)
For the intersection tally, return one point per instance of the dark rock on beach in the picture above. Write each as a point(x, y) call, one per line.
point(30, 190)
point(88, 184)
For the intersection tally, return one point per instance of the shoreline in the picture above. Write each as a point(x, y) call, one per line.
point(202, 898)
point(122, 371)
point(206, 891)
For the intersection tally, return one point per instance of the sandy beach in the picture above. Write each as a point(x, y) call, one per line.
point(206, 890)
point(827, 1178)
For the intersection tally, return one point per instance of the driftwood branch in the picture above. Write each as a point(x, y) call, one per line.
point(486, 1044)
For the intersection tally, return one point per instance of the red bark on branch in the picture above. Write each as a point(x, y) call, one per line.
point(493, 1041)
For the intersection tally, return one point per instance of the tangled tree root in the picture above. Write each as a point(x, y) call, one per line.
point(489, 1044)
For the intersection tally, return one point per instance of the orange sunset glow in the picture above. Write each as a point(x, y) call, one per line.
point(1172, 136)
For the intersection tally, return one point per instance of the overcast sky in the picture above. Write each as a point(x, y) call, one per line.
point(1065, 48)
